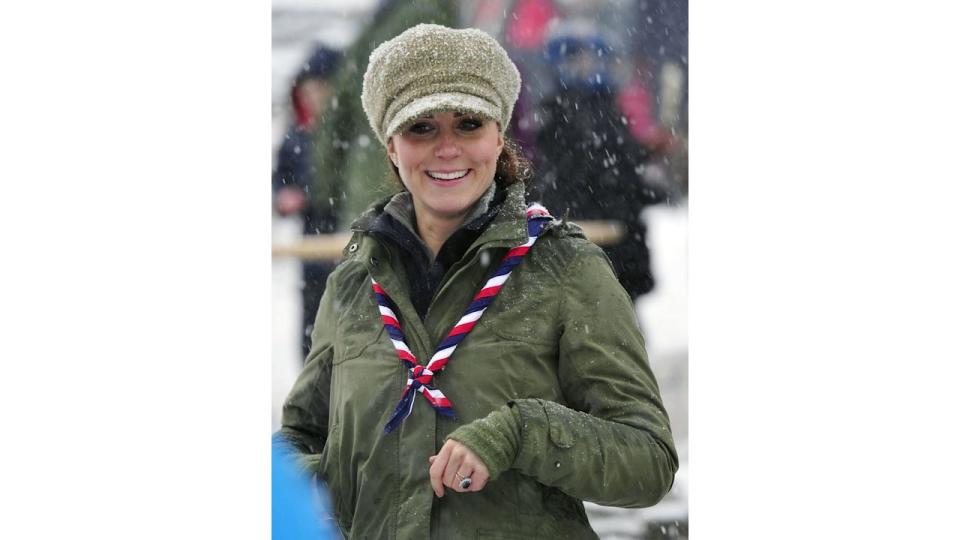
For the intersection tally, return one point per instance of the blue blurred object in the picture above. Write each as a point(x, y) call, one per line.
point(322, 64)
point(300, 511)
point(580, 61)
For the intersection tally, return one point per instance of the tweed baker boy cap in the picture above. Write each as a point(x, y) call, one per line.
point(430, 68)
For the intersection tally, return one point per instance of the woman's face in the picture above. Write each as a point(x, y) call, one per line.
point(446, 161)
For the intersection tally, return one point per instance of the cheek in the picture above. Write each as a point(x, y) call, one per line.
point(404, 174)
point(400, 156)
point(487, 154)
point(406, 163)
point(408, 156)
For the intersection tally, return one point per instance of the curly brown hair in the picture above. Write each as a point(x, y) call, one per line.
point(512, 167)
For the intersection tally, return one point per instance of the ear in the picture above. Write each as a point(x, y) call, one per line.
point(392, 152)
point(500, 142)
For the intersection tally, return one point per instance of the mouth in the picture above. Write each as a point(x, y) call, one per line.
point(447, 176)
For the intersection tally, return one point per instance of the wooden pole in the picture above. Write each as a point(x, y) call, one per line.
point(329, 247)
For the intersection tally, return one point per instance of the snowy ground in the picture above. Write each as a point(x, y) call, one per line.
point(663, 317)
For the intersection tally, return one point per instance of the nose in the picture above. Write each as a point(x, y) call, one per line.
point(447, 147)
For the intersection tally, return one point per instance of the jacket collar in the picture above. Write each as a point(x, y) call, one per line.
point(509, 227)
point(400, 207)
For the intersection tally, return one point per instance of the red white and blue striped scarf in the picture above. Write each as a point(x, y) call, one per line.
point(420, 377)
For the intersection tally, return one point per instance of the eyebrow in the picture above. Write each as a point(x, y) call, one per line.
point(455, 115)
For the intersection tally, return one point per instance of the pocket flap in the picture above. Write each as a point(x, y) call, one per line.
point(562, 433)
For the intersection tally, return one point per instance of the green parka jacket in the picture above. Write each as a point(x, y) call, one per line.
point(560, 344)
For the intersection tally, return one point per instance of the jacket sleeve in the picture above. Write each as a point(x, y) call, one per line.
point(307, 407)
point(610, 443)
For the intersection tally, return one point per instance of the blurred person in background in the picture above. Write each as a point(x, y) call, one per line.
point(656, 128)
point(660, 47)
point(638, 104)
point(346, 149)
point(523, 37)
point(296, 175)
point(591, 167)
point(326, 161)
point(535, 392)
point(649, 40)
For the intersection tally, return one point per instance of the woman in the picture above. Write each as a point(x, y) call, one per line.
point(536, 393)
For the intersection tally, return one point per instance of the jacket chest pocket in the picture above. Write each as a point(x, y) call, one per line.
point(358, 324)
point(365, 367)
point(525, 309)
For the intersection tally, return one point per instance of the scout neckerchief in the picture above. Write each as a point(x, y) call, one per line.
point(421, 377)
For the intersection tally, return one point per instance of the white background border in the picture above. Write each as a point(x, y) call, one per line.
point(135, 291)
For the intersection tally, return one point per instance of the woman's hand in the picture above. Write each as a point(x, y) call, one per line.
point(452, 464)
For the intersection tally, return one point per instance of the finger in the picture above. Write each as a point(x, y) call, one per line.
point(454, 464)
point(479, 479)
point(437, 465)
point(479, 474)
point(464, 473)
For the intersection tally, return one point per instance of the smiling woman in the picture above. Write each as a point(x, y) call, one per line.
point(544, 402)
point(446, 161)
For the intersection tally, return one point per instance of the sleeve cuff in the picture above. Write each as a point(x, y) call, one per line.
point(495, 439)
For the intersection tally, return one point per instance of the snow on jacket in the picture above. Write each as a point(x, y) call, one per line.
point(559, 347)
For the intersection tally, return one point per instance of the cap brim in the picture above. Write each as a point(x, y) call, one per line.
point(442, 102)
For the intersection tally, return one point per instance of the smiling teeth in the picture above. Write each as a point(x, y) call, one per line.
point(448, 176)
